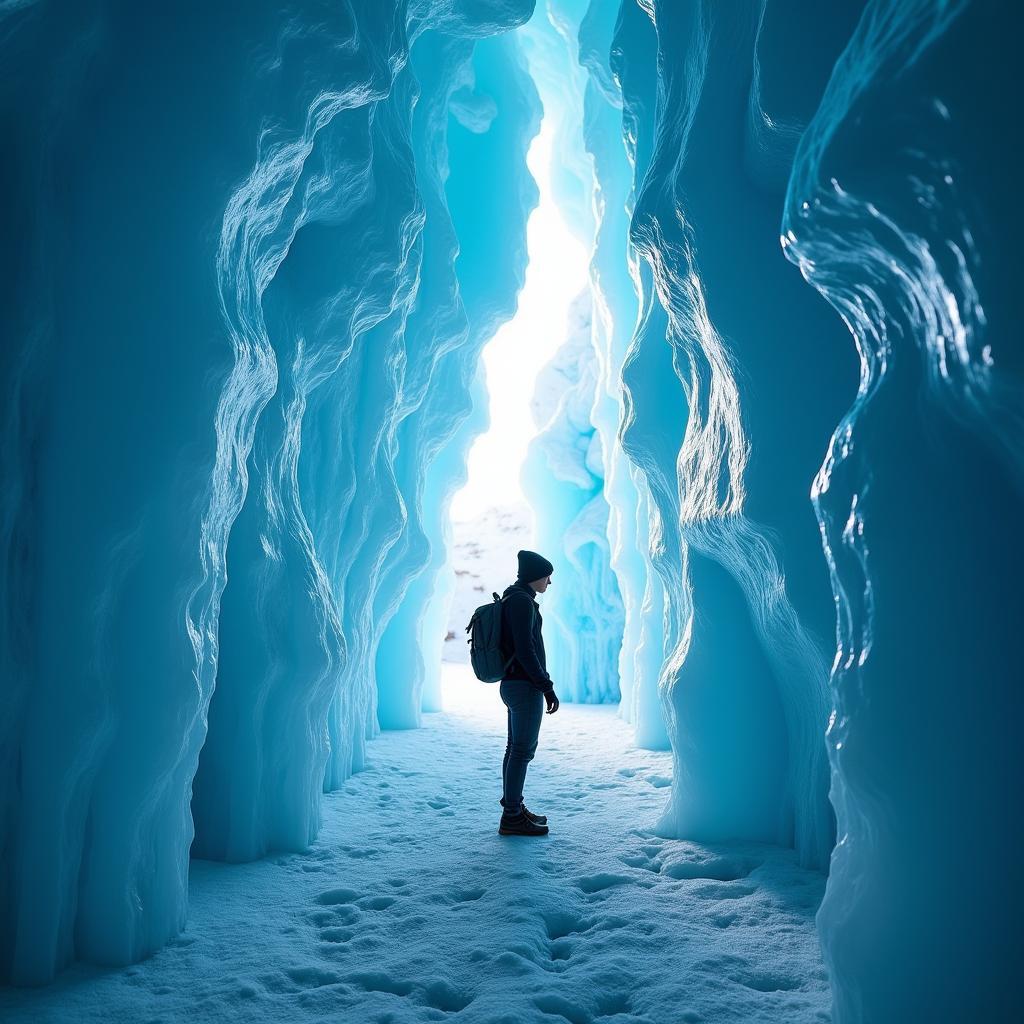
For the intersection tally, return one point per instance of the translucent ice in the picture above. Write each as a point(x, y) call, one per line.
point(222, 368)
point(253, 252)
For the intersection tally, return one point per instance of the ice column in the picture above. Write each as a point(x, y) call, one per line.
point(903, 211)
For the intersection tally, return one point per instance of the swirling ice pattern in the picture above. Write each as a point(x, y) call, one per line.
point(253, 243)
point(115, 873)
point(892, 287)
point(701, 494)
point(886, 233)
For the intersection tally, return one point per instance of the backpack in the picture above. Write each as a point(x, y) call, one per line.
point(485, 642)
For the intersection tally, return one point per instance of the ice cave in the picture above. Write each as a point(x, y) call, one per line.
point(314, 314)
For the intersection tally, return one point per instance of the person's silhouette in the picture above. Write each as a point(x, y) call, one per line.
point(525, 688)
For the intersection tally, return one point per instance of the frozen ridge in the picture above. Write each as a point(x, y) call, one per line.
point(410, 907)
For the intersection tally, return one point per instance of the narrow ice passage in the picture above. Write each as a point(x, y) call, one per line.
point(250, 256)
point(410, 907)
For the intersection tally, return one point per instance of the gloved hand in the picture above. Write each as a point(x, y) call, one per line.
point(552, 702)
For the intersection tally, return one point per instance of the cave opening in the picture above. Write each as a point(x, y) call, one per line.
point(528, 371)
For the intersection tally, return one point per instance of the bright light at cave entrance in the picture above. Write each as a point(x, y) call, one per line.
point(556, 273)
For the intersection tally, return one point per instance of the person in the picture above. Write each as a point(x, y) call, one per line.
point(525, 688)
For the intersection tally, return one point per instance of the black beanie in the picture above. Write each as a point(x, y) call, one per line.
point(533, 566)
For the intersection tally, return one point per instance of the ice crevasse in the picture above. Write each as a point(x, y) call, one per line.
point(251, 255)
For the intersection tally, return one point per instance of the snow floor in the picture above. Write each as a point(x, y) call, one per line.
point(410, 906)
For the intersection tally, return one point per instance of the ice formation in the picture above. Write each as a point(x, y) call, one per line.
point(746, 609)
point(238, 350)
point(902, 211)
point(694, 516)
point(253, 253)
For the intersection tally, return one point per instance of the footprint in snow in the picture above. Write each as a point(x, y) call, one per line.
point(642, 861)
point(379, 981)
point(337, 897)
point(557, 1006)
point(722, 891)
point(364, 853)
point(560, 949)
point(376, 902)
point(467, 895)
point(591, 884)
point(719, 869)
point(564, 923)
point(441, 995)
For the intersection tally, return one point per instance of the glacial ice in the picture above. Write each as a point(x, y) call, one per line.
point(253, 254)
point(224, 363)
point(903, 212)
point(562, 479)
point(585, 491)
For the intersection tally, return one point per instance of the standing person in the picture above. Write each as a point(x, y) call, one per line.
point(525, 688)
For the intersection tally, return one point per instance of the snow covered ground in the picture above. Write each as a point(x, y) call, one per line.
point(411, 907)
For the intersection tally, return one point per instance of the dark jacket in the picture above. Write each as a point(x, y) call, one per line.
point(521, 639)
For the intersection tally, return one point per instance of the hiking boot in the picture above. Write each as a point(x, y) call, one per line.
point(537, 819)
point(520, 825)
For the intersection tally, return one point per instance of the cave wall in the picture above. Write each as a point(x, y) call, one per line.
point(252, 254)
point(225, 379)
point(868, 144)
point(901, 211)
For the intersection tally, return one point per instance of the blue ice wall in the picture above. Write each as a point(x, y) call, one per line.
point(880, 136)
point(214, 368)
point(563, 475)
point(903, 212)
point(494, 115)
point(611, 148)
point(614, 313)
point(563, 478)
point(726, 334)
point(282, 648)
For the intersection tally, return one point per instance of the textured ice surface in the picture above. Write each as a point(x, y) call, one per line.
point(235, 315)
point(725, 455)
point(610, 142)
point(900, 207)
point(903, 211)
point(256, 250)
point(563, 475)
point(410, 907)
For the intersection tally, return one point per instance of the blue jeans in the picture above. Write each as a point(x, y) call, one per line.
point(525, 705)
